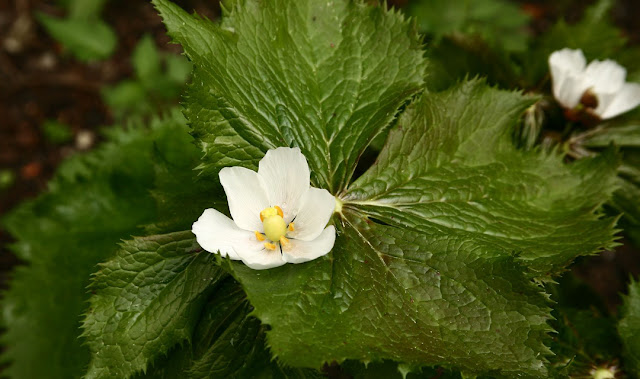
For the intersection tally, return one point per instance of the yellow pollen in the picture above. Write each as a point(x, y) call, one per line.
point(273, 223)
point(269, 246)
point(259, 236)
point(284, 242)
point(291, 228)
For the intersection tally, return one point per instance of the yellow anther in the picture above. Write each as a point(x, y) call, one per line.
point(271, 211)
point(269, 246)
point(259, 236)
point(279, 211)
point(291, 228)
point(284, 242)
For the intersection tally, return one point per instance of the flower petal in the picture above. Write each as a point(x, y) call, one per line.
point(605, 77)
point(567, 68)
point(260, 259)
point(569, 90)
point(217, 232)
point(566, 61)
point(627, 98)
point(314, 214)
point(246, 196)
point(285, 173)
point(299, 251)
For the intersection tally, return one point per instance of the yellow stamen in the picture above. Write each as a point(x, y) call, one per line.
point(291, 228)
point(279, 211)
point(284, 242)
point(259, 236)
point(269, 246)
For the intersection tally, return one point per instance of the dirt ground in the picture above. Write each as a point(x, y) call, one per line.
point(39, 82)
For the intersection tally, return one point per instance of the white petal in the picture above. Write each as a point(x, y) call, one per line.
point(260, 259)
point(314, 214)
point(569, 90)
point(627, 98)
point(285, 173)
point(303, 251)
point(605, 77)
point(246, 196)
point(217, 232)
point(566, 62)
point(567, 68)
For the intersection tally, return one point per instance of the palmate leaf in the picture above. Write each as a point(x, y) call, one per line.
point(325, 76)
point(437, 246)
point(451, 168)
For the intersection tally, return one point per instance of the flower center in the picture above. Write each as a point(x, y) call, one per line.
point(273, 222)
point(589, 99)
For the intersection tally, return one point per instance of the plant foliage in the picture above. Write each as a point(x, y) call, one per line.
point(449, 244)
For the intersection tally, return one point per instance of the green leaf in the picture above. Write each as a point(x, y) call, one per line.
point(627, 200)
point(7, 178)
point(325, 76)
point(57, 132)
point(178, 68)
point(87, 40)
point(626, 136)
point(629, 328)
point(500, 23)
point(451, 168)
point(85, 9)
point(227, 343)
point(94, 201)
point(146, 300)
point(146, 60)
point(127, 95)
point(437, 246)
point(459, 57)
point(388, 293)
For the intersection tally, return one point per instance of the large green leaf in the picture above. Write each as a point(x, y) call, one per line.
point(437, 246)
point(387, 293)
point(451, 168)
point(94, 201)
point(629, 328)
point(325, 76)
point(146, 300)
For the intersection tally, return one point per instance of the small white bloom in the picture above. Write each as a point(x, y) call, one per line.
point(599, 87)
point(277, 217)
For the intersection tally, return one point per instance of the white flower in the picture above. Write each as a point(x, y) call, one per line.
point(600, 87)
point(277, 217)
